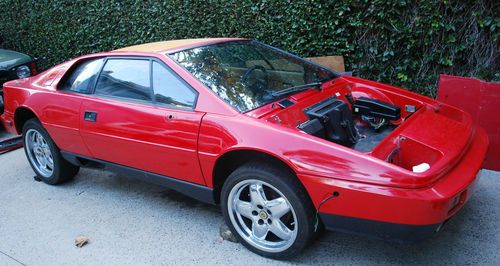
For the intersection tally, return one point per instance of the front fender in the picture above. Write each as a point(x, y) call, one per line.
point(304, 153)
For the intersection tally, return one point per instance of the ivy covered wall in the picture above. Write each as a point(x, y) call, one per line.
point(403, 42)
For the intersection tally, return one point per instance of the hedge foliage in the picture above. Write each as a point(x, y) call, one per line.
point(402, 42)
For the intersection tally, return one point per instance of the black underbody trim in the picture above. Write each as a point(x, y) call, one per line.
point(402, 233)
point(10, 144)
point(196, 191)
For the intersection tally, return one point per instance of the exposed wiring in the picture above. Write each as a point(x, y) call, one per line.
point(334, 195)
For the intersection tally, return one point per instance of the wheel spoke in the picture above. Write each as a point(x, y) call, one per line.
point(42, 161)
point(259, 230)
point(280, 230)
point(50, 162)
point(31, 143)
point(257, 195)
point(46, 150)
point(244, 208)
point(38, 139)
point(278, 207)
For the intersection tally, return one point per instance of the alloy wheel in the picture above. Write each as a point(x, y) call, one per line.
point(39, 153)
point(262, 215)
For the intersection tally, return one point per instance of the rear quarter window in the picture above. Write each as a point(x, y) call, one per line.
point(82, 77)
point(170, 90)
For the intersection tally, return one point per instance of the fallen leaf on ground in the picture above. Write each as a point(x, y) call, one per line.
point(226, 234)
point(80, 241)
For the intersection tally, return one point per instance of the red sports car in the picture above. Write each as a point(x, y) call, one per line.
point(285, 146)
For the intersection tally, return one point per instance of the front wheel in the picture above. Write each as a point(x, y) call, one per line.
point(44, 156)
point(268, 210)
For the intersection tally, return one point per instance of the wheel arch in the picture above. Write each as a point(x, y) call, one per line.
point(21, 116)
point(231, 160)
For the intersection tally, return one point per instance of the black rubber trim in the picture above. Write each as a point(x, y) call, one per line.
point(402, 233)
point(10, 144)
point(196, 191)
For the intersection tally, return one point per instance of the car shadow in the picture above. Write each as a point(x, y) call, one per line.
point(460, 238)
point(116, 183)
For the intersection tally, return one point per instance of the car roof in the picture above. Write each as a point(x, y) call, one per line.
point(173, 45)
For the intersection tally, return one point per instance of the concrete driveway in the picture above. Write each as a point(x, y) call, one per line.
point(131, 223)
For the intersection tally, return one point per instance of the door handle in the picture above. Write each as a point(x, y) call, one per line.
point(90, 116)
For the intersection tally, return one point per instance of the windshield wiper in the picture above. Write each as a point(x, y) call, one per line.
point(316, 85)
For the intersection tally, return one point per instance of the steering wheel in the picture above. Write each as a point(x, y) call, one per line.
point(259, 83)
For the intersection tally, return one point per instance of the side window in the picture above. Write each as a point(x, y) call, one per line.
point(125, 78)
point(83, 76)
point(170, 89)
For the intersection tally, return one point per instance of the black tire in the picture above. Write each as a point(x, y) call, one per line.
point(62, 170)
point(289, 186)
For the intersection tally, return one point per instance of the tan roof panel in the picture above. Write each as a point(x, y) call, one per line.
point(171, 45)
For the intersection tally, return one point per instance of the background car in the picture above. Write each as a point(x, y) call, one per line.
point(14, 65)
point(285, 146)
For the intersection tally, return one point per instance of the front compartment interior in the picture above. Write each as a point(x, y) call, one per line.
point(409, 153)
point(361, 127)
point(369, 138)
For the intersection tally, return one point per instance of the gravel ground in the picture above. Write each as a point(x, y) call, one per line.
point(132, 223)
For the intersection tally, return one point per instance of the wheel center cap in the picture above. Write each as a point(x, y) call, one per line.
point(263, 215)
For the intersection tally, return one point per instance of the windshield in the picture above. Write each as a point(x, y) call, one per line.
point(247, 74)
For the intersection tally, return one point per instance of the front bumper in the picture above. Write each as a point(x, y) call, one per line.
point(396, 213)
point(403, 233)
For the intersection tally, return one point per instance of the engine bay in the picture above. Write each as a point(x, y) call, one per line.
point(358, 118)
point(360, 127)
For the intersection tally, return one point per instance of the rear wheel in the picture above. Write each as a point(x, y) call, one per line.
point(44, 156)
point(268, 210)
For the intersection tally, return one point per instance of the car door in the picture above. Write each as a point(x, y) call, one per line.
point(61, 110)
point(142, 115)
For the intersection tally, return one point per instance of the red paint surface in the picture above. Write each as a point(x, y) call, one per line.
point(189, 145)
point(482, 101)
